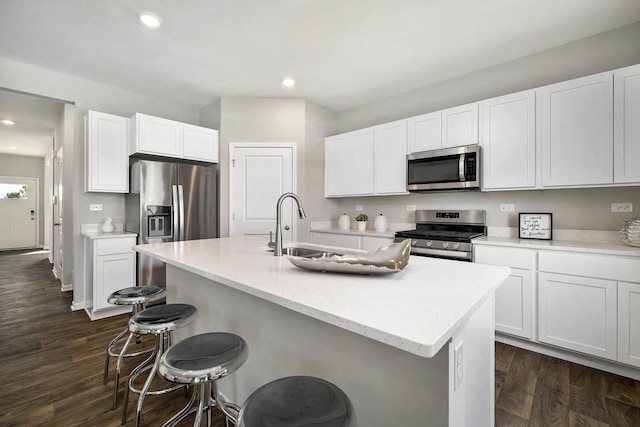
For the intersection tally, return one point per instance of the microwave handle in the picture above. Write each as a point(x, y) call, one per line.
point(461, 167)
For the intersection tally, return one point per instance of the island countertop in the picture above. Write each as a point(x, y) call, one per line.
point(416, 310)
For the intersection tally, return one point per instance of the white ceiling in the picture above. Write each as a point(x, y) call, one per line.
point(342, 53)
point(35, 121)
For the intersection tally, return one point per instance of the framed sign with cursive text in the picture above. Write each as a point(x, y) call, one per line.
point(535, 226)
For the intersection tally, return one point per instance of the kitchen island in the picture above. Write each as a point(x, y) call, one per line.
point(413, 348)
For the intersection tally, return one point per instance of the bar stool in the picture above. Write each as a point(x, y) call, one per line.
point(138, 297)
point(297, 401)
point(160, 321)
point(201, 360)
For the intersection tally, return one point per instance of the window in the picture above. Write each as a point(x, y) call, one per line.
point(14, 191)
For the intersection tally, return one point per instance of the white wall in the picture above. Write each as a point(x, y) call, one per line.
point(573, 209)
point(27, 167)
point(85, 95)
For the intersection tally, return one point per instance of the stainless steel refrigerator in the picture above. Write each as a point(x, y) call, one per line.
point(169, 202)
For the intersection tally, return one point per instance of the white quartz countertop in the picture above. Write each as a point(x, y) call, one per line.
point(113, 235)
point(604, 248)
point(417, 310)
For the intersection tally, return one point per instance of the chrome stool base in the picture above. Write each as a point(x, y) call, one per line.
point(137, 297)
point(297, 401)
point(160, 321)
point(200, 360)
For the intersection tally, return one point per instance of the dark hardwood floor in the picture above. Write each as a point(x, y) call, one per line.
point(51, 361)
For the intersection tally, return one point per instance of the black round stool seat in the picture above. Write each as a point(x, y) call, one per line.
point(135, 295)
point(162, 318)
point(297, 401)
point(204, 357)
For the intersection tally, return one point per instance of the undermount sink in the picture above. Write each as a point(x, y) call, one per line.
point(307, 253)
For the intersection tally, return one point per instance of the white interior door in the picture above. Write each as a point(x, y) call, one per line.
point(18, 212)
point(259, 175)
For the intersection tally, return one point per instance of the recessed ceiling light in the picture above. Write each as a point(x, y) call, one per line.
point(11, 147)
point(8, 122)
point(288, 82)
point(150, 20)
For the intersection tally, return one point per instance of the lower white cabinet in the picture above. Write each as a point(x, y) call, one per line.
point(578, 313)
point(629, 323)
point(352, 241)
point(110, 264)
point(515, 298)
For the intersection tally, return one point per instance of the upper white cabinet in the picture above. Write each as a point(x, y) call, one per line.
point(509, 141)
point(367, 162)
point(390, 158)
point(460, 126)
point(453, 127)
point(627, 125)
point(349, 164)
point(106, 158)
point(168, 138)
point(577, 131)
point(425, 132)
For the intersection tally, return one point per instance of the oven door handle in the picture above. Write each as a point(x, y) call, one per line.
point(441, 253)
point(461, 167)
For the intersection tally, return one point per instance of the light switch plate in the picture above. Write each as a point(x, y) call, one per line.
point(507, 207)
point(411, 208)
point(95, 207)
point(358, 208)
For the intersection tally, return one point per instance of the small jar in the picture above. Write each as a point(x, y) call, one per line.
point(380, 223)
point(344, 222)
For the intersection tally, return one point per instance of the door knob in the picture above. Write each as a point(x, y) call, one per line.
point(286, 227)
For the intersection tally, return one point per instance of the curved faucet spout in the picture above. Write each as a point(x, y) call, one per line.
point(277, 251)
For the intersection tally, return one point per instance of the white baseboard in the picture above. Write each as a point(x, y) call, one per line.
point(75, 306)
point(103, 314)
point(65, 288)
point(592, 362)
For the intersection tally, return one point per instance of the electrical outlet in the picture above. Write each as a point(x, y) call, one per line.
point(622, 207)
point(458, 366)
point(358, 208)
point(95, 207)
point(507, 207)
point(411, 208)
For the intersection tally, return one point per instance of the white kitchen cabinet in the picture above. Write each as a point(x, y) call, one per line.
point(425, 132)
point(372, 243)
point(629, 323)
point(349, 164)
point(577, 132)
point(110, 264)
point(578, 313)
point(460, 126)
point(352, 241)
point(390, 158)
point(509, 141)
point(200, 143)
point(106, 157)
point(168, 138)
point(515, 298)
point(627, 125)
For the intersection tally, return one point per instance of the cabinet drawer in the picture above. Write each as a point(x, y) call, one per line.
point(599, 266)
point(114, 246)
point(508, 257)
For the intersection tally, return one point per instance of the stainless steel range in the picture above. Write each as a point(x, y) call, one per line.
point(444, 233)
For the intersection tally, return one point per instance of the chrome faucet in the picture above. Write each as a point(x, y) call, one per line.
point(277, 251)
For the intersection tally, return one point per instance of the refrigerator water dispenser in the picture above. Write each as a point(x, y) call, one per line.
point(159, 220)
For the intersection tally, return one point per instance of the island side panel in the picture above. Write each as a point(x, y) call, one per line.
point(388, 386)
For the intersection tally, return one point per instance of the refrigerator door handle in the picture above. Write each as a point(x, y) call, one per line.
point(176, 212)
point(181, 210)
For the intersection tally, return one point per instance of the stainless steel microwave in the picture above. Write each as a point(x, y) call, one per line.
point(455, 168)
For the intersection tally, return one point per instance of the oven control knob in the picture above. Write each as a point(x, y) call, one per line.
point(414, 242)
point(456, 246)
point(429, 244)
point(445, 245)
